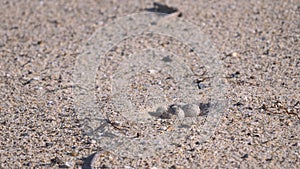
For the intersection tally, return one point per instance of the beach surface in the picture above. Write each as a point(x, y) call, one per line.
point(256, 73)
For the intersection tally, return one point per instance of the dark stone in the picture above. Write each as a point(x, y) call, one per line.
point(167, 59)
point(245, 156)
point(158, 7)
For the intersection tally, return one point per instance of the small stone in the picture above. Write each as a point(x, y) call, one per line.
point(234, 54)
point(69, 164)
point(245, 156)
point(152, 71)
point(93, 141)
point(56, 160)
point(176, 167)
point(74, 153)
point(201, 86)
point(191, 110)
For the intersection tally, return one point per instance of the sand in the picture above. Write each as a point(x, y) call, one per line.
point(257, 44)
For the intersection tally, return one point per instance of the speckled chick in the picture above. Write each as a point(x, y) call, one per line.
point(191, 110)
point(176, 110)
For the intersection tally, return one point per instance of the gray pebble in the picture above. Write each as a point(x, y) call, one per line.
point(191, 110)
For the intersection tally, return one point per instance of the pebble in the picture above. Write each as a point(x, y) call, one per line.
point(93, 141)
point(74, 153)
point(152, 71)
point(69, 164)
point(201, 86)
point(234, 54)
point(191, 110)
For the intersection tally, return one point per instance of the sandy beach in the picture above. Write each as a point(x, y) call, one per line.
point(244, 76)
